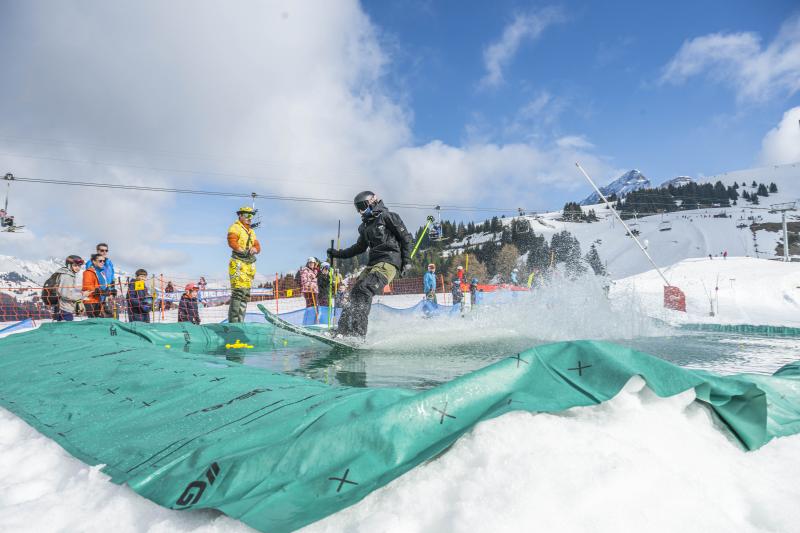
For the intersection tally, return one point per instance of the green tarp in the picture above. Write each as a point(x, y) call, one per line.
point(189, 430)
point(745, 329)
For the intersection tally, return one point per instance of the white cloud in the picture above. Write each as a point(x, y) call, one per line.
point(781, 145)
point(291, 91)
point(524, 27)
point(756, 72)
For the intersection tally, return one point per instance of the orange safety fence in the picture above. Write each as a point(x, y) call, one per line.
point(282, 293)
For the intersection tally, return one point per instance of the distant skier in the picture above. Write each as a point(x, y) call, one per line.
point(429, 283)
point(473, 292)
point(383, 233)
point(242, 266)
point(458, 294)
point(725, 254)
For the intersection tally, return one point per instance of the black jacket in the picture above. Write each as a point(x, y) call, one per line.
point(187, 310)
point(386, 237)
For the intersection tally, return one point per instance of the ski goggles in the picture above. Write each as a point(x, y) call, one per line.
point(362, 206)
point(246, 215)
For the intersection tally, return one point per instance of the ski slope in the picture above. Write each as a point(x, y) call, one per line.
point(739, 290)
point(692, 234)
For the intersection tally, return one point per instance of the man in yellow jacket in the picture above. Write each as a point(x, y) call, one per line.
point(242, 267)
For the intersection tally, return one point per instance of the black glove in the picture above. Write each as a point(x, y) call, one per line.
point(405, 269)
point(333, 252)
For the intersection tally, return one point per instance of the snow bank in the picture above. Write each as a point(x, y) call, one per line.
point(743, 290)
point(656, 464)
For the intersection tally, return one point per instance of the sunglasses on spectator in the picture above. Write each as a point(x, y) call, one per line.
point(100, 260)
point(101, 250)
point(246, 215)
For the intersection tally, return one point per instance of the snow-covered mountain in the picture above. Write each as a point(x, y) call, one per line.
point(15, 271)
point(677, 182)
point(744, 230)
point(628, 182)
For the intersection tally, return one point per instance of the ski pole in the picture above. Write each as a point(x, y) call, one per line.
point(608, 204)
point(422, 235)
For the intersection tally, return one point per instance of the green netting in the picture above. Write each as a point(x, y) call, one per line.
point(745, 329)
point(189, 430)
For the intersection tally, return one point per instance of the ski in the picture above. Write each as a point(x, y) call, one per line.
point(278, 322)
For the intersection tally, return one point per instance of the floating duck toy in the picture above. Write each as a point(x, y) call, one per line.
point(237, 345)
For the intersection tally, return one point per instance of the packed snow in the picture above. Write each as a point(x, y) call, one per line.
point(636, 462)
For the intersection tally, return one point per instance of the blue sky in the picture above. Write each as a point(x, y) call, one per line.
point(604, 59)
point(462, 103)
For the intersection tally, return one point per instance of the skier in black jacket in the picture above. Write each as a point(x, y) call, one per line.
point(389, 243)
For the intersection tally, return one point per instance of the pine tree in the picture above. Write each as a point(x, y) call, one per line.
point(773, 188)
point(754, 184)
point(735, 185)
point(754, 199)
point(745, 195)
point(593, 258)
point(762, 190)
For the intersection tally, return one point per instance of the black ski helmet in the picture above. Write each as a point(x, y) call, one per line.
point(363, 200)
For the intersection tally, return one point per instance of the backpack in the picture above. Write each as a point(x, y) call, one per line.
point(50, 289)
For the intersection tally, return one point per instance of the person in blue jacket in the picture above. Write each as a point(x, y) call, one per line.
point(514, 277)
point(429, 283)
point(107, 282)
point(140, 303)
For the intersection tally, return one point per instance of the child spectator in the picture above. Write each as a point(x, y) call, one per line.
point(308, 282)
point(458, 294)
point(140, 303)
point(187, 308)
point(69, 291)
point(324, 284)
point(429, 283)
point(473, 292)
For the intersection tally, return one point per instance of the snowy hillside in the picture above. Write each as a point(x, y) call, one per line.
point(14, 271)
point(630, 181)
point(738, 290)
point(672, 237)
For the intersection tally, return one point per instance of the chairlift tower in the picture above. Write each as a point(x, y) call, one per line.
point(782, 209)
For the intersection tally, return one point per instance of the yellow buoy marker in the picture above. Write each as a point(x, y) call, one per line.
point(238, 344)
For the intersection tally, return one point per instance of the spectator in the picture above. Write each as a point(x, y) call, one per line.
point(460, 273)
point(429, 283)
point(324, 284)
point(725, 254)
point(514, 278)
point(458, 294)
point(187, 308)
point(170, 289)
point(202, 283)
point(308, 282)
point(94, 287)
point(69, 291)
point(140, 303)
point(473, 292)
point(108, 275)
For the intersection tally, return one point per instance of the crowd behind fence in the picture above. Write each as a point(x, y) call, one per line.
point(282, 294)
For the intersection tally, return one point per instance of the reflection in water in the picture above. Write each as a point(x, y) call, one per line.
point(424, 368)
